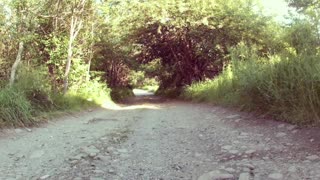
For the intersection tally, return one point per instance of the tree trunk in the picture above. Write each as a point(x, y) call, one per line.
point(68, 67)
point(16, 64)
point(75, 27)
point(51, 72)
point(91, 52)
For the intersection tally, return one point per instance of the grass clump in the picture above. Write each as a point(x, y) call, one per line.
point(284, 86)
point(87, 94)
point(31, 98)
point(34, 86)
point(20, 103)
point(15, 108)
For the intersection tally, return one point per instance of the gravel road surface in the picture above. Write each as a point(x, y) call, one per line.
point(150, 138)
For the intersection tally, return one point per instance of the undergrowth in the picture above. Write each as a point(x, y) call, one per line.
point(150, 88)
point(285, 86)
point(15, 109)
point(121, 93)
point(169, 92)
point(31, 98)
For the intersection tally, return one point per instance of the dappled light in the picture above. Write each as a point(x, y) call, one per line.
point(130, 107)
point(143, 100)
point(72, 54)
point(140, 92)
point(159, 89)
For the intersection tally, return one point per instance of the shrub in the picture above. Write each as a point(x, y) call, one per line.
point(15, 109)
point(34, 85)
point(25, 99)
point(30, 96)
point(86, 94)
point(137, 78)
point(121, 93)
point(169, 92)
point(284, 86)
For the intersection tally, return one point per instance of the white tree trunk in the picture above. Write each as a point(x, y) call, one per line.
point(75, 27)
point(16, 64)
point(91, 52)
point(68, 67)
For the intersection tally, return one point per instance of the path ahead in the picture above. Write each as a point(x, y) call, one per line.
point(151, 138)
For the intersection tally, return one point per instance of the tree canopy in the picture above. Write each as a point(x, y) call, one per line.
point(178, 42)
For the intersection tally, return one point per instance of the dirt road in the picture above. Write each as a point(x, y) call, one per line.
point(151, 138)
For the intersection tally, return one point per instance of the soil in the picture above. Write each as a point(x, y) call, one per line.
point(154, 138)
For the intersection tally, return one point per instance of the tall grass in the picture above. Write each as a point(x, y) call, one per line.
point(15, 109)
point(26, 98)
point(285, 86)
point(89, 93)
point(31, 97)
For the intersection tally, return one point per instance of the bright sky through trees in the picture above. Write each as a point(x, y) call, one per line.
point(279, 8)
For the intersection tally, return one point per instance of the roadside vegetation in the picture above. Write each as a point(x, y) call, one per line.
point(281, 86)
point(46, 59)
point(65, 55)
point(139, 80)
point(30, 99)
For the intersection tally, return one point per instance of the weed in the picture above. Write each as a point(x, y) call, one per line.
point(286, 87)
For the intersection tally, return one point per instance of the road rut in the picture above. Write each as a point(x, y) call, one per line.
point(153, 138)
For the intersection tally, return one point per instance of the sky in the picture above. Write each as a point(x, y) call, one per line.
point(276, 7)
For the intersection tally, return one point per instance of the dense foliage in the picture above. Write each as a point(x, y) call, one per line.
point(277, 86)
point(56, 40)
point(284, 85)
point(189, 39)
point(60, 54)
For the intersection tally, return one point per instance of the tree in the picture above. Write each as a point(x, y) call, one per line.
point(19, 31)
point(75, 26)
point(16, 64)
point(191, 38)
point(301, 36)
point(310, 9)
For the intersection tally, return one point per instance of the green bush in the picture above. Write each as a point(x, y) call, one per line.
point(150, 88)
point(27, 97)
point(169, 93)
point(34, 85)
point(121, 93)
point(138, 79)
point(31, 96)
point(150, 84)
point(286, 87)
point(15, 109)
point(89, 93)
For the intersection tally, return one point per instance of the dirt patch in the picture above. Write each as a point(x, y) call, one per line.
point(162, 140)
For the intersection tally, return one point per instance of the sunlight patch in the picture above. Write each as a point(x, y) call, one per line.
point(134, 107)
